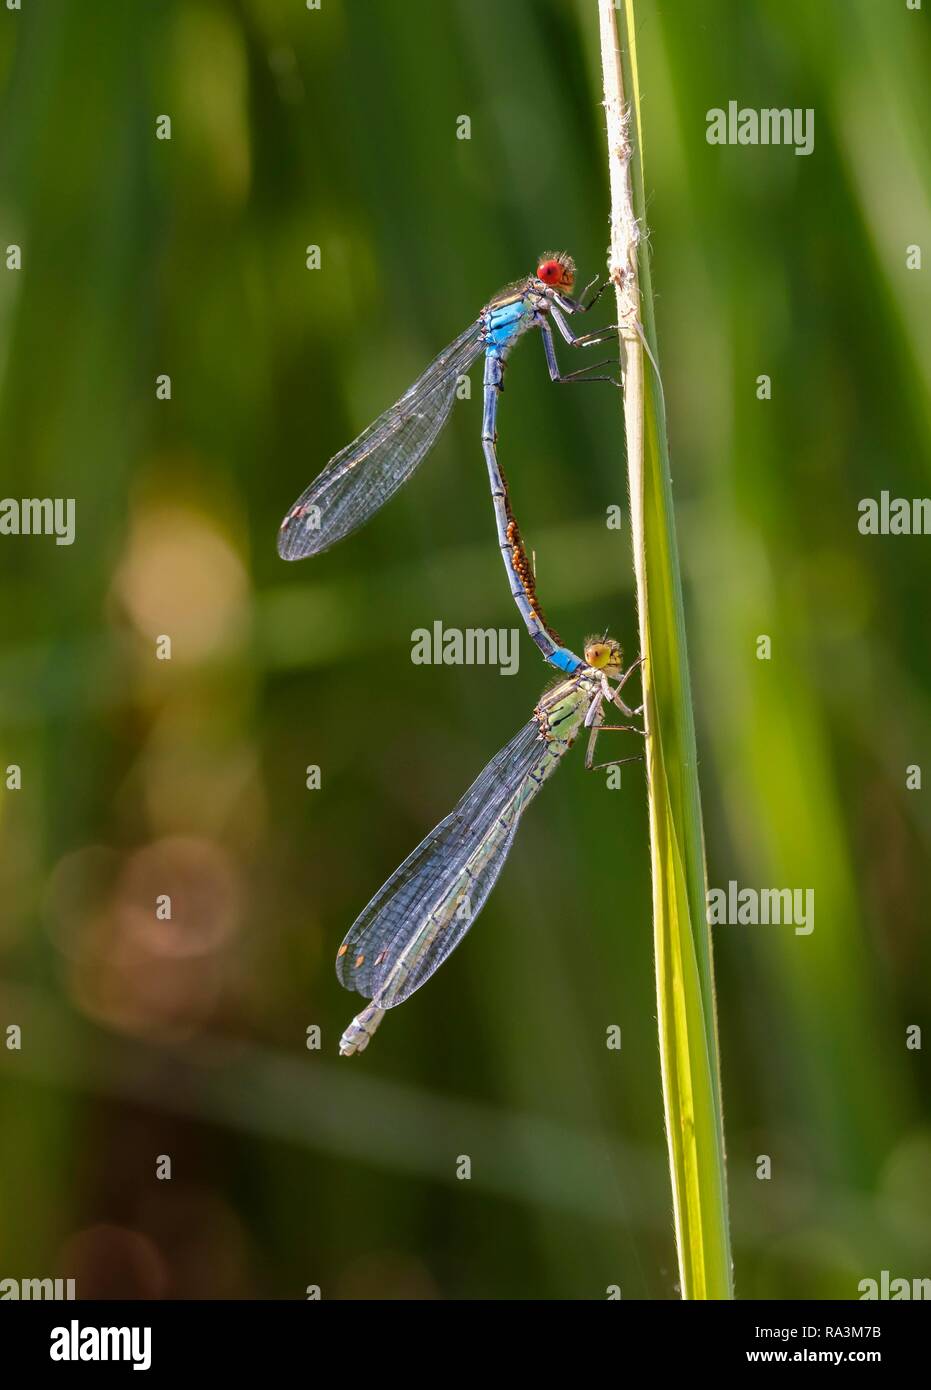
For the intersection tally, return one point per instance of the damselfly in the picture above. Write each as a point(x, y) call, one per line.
point(425, 909)
point(361, 478)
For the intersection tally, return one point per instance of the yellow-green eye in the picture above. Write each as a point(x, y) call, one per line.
point(603, 653)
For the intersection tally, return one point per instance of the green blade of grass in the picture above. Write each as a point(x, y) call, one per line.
point(684, 971)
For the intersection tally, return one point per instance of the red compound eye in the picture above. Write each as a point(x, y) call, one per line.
point(550, 272)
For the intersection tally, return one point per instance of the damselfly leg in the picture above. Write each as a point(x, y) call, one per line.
point(594, 716)
point(580, 306)
point(599, 335)
point(616, 692)
point(564, 378)
point(613, 762)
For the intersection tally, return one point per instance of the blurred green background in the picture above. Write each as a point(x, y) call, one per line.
point(186, 1038)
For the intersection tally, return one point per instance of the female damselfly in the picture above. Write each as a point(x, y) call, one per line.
point(361, 478)
point(427, 905)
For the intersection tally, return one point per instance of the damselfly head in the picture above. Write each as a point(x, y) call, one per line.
point(605, 655)
point(557, 270)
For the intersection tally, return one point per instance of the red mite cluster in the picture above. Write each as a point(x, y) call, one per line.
point(524, 570)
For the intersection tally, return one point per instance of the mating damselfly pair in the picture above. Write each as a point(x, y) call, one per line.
point(423, 911)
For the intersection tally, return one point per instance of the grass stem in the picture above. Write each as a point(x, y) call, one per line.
point(682, 939)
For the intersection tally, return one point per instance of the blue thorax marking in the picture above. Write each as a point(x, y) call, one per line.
point(506, 322)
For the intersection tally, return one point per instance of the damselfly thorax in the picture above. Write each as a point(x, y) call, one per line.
point(511, 314)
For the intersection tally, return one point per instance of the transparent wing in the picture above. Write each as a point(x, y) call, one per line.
point(416, 919)
point(360, 478)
